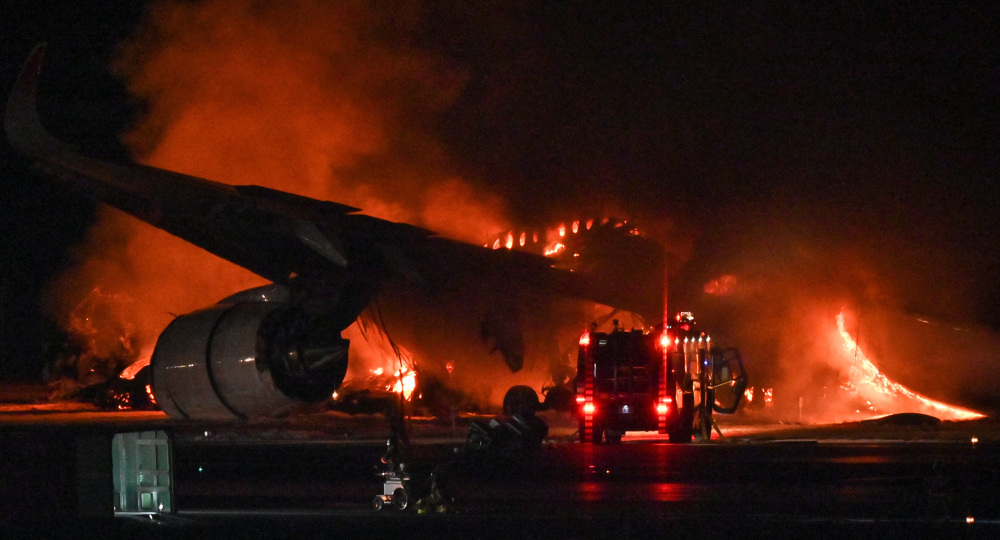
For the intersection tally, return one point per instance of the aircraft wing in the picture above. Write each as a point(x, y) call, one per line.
point(275, 234)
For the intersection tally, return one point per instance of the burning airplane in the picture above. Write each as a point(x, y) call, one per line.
point(267, 350)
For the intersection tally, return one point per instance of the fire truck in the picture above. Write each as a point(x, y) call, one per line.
point(669, 381)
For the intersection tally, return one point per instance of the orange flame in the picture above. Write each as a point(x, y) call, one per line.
point(406, 381)
point(872, 383)
point(554, 249)
point(130, 372)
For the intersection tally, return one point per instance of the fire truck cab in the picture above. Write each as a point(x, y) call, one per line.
point(670, 382)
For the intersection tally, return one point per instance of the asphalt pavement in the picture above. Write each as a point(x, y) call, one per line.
point(316, 476)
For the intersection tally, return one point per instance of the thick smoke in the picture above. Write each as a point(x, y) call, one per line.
point(322, 99)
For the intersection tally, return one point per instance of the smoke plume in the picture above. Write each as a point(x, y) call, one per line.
point(322, 99)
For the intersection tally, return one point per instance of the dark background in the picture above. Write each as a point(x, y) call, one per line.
point(862, 136)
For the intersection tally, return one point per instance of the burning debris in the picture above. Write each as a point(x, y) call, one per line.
point(98, 345)
point(375, 393)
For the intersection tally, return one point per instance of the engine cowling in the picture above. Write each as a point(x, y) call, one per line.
point(245, 359)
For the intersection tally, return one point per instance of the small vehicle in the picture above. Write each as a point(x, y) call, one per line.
point(670, 382)
point(393, 492)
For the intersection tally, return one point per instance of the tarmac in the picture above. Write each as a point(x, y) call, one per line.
point(28, 404)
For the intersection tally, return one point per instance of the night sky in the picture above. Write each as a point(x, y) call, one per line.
point(809, 145)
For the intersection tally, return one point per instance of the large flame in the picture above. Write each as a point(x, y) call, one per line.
point(893, 397)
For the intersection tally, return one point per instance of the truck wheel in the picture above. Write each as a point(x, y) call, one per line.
point(597, 434)
point(399, 499)
point(684, 428)
point(378, 503)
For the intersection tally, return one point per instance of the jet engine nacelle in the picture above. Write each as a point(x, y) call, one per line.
point(247, 357)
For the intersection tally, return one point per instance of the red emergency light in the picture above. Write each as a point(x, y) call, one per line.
point(585, 339)
point(663, 407)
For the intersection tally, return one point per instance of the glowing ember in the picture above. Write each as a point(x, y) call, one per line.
point(871, 383)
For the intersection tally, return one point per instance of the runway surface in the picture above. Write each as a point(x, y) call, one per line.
point(317, 477)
